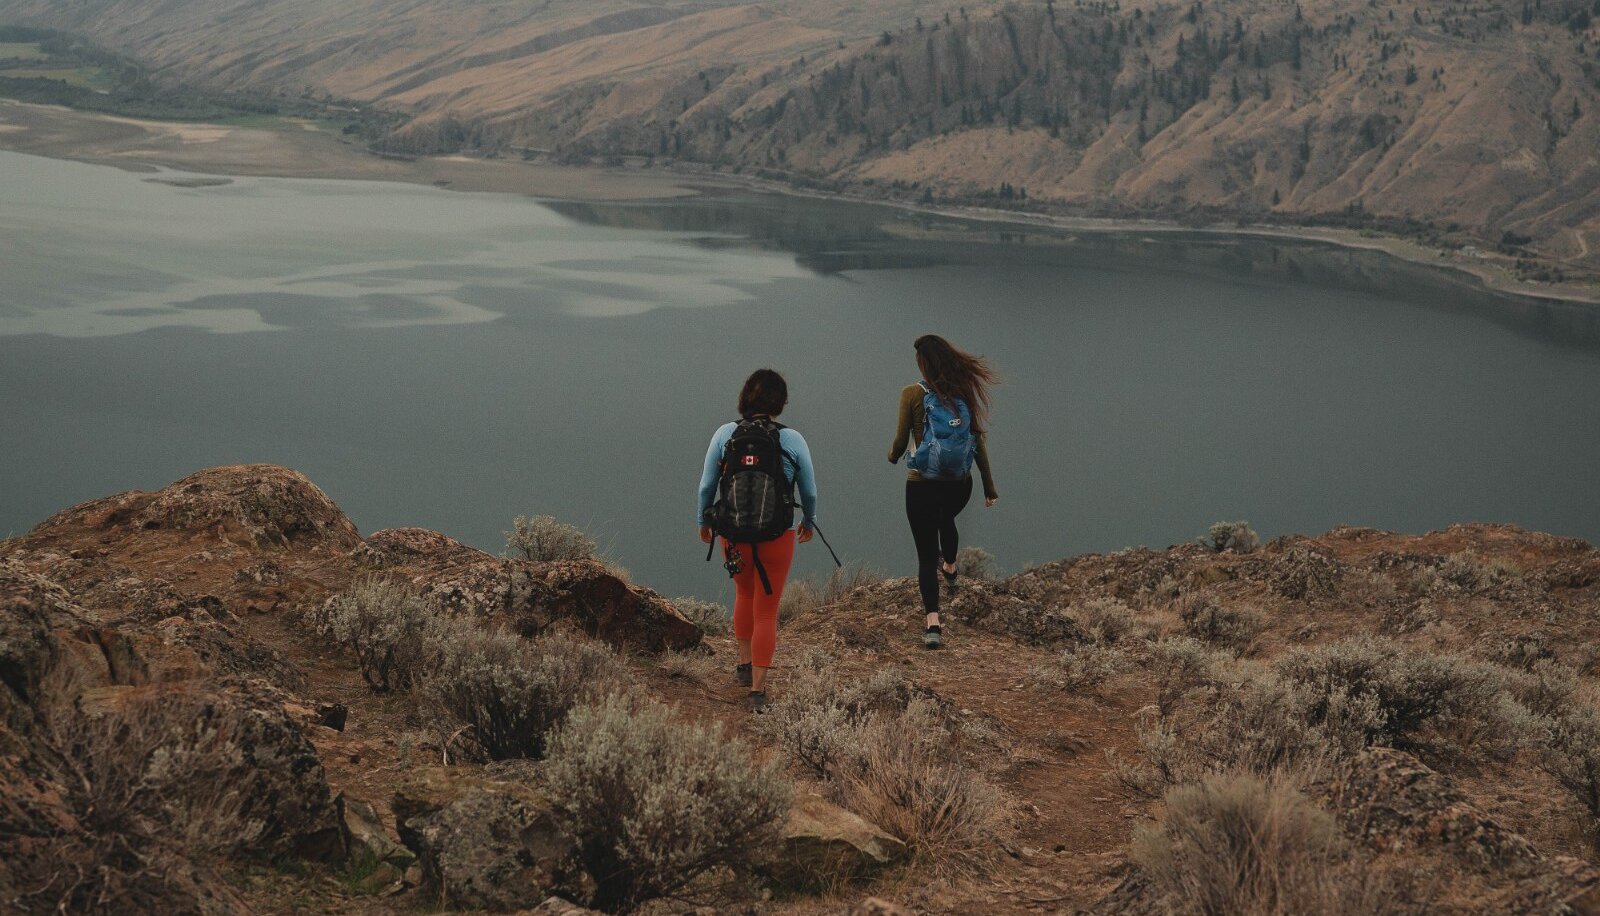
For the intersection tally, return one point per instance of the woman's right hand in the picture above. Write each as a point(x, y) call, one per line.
point(706, 534)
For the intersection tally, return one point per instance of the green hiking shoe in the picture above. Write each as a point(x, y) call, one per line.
point(932, 638)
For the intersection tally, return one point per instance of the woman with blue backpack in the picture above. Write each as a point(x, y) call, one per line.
point(945, 416)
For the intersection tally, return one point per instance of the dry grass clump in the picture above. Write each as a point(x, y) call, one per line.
point(713, 619)
point(1464, 573)
point(974, 563)
point(392, 630)
point(544, 539)
point(892, 756)
point(510, 692)
point(1248, 847)
point(157, 790)
point(1230, 627)
point(904, 773)
point(656, 803)
point(803, 596)
point(1232, 537)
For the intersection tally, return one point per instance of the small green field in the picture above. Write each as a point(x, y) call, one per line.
point(21, 50)
point(82, 77)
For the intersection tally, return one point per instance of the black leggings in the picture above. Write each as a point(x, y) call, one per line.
point(931, 508)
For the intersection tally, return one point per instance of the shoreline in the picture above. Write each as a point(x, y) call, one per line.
point(312, 153)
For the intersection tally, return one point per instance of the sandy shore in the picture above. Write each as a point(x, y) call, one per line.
point(302, 150)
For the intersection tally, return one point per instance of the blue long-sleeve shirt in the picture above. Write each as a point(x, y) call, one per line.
point(796, 467)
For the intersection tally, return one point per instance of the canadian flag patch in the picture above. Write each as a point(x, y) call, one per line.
point(751, 461)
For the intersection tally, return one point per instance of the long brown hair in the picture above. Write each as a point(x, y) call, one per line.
point(953, 373)
point(764, 393)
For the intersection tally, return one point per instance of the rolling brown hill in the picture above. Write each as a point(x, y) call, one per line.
point(1479, 119)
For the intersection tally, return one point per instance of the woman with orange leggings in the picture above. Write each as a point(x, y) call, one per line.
point(760, 577)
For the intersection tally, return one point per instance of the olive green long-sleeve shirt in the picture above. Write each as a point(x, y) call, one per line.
point(908, 433)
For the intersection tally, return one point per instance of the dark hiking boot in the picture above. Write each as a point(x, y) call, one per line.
point(933, 638)
point(741, 673)
point(950, 586)
point(757, 701)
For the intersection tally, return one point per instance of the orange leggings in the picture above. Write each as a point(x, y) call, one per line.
point(755, 613)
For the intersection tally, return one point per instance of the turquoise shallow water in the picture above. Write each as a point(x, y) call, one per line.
point(452, 360)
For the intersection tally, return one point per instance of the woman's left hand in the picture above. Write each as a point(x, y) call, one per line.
point(804, 534)
point(989, 501)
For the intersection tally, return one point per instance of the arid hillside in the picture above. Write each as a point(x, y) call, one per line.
point(220, 698)
point(1460, 122)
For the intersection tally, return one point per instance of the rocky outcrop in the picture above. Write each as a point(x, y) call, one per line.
point(824, 844)
point(484, 843)
point(529, 596)
point(259, 505)
point(1392, 801)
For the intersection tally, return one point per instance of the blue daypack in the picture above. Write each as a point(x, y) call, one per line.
point(947, 446)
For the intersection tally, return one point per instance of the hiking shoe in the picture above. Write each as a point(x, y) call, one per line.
point(950, 586)
point(933, 638)
point(756, 701)
point(741, 673)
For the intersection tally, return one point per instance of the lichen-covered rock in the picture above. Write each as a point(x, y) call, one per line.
point(484, 843)
point(400, 546)
point(1568, 887)
point(260, 505)
point(824, 844)
point(1394, 802)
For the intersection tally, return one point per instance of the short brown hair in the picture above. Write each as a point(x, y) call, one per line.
point(764, 392)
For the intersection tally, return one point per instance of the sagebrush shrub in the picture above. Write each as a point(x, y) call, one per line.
point(1235, 537)
point(1419, 699)
point(655, 802)
point(1570, 753)
point(1303, 573)
point(392, 630)
point(158, 790)
point(815, 717)
point(974, 563)
point(713, 619)
point(1242, 845)
point(512, 691)
point(546, 539)
point(1105, 620)
point(1088, 665)
point(1230, 627)
point(1180, 664)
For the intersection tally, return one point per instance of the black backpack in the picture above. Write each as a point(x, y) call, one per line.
point(755, 500)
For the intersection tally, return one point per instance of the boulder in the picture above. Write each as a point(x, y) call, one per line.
point(1393, 802)
point(380, 862)
point(555, 906)
point(877, 906)
point(485, 843)
point(824, 844)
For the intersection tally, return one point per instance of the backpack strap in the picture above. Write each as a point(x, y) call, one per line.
point(761, 570)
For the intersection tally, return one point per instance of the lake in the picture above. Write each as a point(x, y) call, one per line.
point(453, 360)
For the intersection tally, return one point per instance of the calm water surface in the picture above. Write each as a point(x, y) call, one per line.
point(453, 360)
